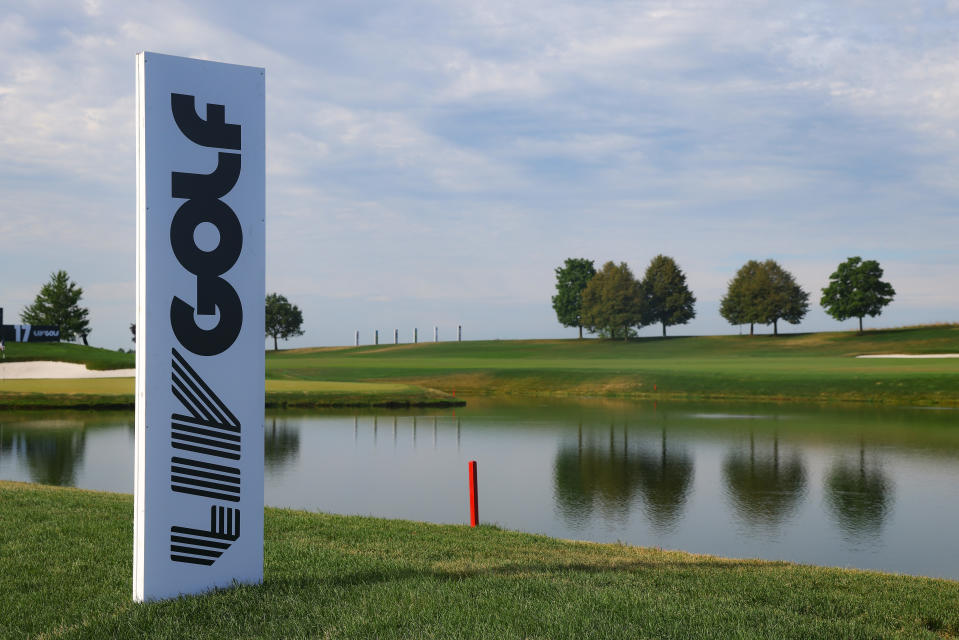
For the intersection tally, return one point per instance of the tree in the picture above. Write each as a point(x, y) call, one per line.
point(667, 298)
point(741, 303)
point(571, 280)
point(764, 293)
point(613, 302)
point(856, 290)
point(782, 298)
point(57, 304)
point(283, 320)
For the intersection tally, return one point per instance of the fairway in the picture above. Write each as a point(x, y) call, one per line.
point(801, 367)
point(815, 367)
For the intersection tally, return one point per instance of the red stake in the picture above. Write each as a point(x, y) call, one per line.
point(474, 496)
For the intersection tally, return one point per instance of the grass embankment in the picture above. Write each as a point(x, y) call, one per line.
point(93, 357)
point(117, 393)
point(65, 572)
point(815, 367)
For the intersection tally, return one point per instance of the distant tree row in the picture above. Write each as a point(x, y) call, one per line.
point(613, 303)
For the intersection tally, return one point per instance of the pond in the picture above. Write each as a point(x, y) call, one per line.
point(863, 487)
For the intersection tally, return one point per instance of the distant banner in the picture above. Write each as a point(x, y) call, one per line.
point(30, 333)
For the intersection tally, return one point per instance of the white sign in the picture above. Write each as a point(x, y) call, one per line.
point(198, 489)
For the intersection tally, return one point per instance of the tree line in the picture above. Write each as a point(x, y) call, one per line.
point(58, 304)
point(613, 303)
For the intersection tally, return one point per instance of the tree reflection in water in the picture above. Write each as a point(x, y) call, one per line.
point(764, 487)
point(282, 445)
point(609, 475)
point(665, 478)
point(53, 449)
point(859, 495)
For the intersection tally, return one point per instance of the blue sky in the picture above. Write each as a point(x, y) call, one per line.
point(431, 163)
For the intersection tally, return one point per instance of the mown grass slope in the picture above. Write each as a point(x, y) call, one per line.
point(93, 357)
point(113, 393)
point(65, 572)
point(802, 367)
point(814, 367)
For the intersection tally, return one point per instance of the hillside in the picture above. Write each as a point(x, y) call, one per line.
point(807, 367)
point(804, 367)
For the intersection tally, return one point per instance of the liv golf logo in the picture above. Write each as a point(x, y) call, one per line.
point(207, 427)
point(200, 356)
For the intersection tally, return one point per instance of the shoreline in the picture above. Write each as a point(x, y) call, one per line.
point(85, 402)
point(101, 390)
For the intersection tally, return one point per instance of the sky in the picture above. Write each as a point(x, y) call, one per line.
point(432, 163)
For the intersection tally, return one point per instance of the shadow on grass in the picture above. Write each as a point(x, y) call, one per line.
point(378, 576)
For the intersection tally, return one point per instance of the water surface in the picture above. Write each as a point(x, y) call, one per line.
point(856, 487)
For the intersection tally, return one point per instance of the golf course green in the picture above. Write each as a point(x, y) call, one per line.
point(810, 367)
point(814, 367)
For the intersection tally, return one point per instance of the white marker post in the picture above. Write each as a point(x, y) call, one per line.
point(459, 333)
point(396, 336)
point(200, 325)
point(356, 339)
point(436, 333)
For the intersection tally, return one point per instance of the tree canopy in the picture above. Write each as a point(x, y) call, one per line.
point(668, 300)
point(741, 304)
point(786, 300)
point(855, 290)
point(571, 281)
point(57, 304)
point(781, 298)
point(764, 293)
point(283, 319)
point(613, 302)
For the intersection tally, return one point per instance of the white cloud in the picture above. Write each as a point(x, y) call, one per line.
point(458, 151)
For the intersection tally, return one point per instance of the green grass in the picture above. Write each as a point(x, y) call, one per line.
point(818, 367)
point(114, 393)
point(814, 367)
point(86, 393)
point(93, 357)
point(65, 572)
point(317, 393)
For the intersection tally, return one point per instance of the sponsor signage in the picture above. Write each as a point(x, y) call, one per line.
point(30, 333)
point(198, 521)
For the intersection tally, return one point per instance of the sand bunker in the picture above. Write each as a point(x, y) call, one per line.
point(912, 355)
point(44, 369)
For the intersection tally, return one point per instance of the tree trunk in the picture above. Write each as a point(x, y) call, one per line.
point(626, 333)
point(860, 325)
point(275, 348)
point(776, 327)
point(664, 329)
point(86, 344)
point(751, 328)
point(580, 332)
